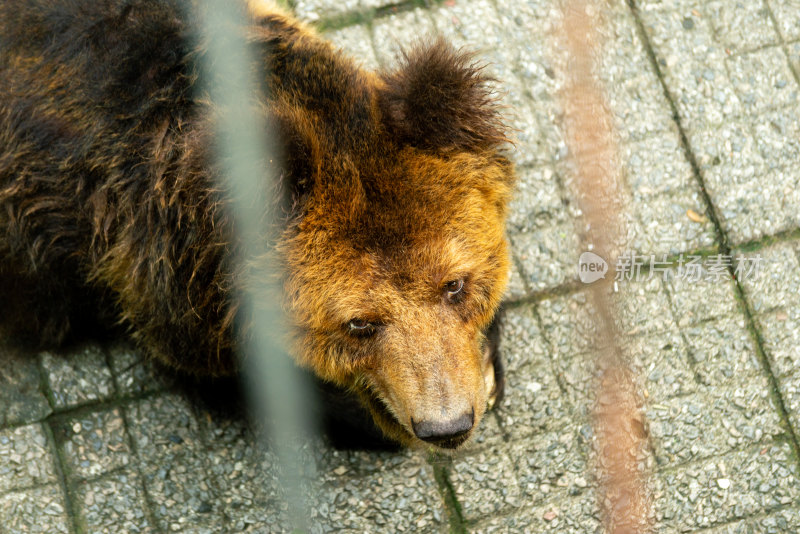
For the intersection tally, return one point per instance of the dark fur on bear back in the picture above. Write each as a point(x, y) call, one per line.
point(100, 182)
point(108, 197)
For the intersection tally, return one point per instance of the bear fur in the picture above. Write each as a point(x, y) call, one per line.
point(393, 192)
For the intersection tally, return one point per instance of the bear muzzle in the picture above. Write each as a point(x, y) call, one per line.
point(445, 433)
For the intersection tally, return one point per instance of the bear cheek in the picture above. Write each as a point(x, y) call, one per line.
point(326, 357)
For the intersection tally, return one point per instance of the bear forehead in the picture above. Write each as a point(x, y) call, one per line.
point(413, 249)
point(395, 226)
point(405, 197)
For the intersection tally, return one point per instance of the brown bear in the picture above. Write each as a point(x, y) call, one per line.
point(394, 189)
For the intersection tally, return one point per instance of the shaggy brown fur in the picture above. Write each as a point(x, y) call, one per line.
point(393, 245)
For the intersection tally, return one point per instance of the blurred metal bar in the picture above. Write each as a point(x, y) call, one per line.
point(597, 183)
point(248, 161)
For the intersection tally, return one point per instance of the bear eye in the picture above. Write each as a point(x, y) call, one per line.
point(361, 328)
point(454, 289)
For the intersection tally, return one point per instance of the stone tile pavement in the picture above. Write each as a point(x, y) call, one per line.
point(705, 98)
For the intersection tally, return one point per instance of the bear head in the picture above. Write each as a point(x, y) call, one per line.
point(397, 258)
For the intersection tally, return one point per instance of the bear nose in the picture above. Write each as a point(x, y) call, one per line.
point(444, 433)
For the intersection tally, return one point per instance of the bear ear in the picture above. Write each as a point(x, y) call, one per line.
point(439, 98)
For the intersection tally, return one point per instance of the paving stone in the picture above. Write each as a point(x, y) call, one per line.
point(21, 394)
point(661, 365)
point(775, 286)
point(25, 458)
point(245, 477)
point(400, 32)
point(787, 15)
point(533, 401)
point(316, 10)
point(476, 25)
point(567, 515)
point(777, 135)
point(634, 93)
point(712, 421)
point(174, 464)
point(489, 431)
point(93, 443)
point(663, 225)
point(521, 342)
point(789, 390)
point(180, 487)
point(695, 302)
point(539, 77)
point(754, 205)
point(642, 307)
point(718, 490)
point(752, 200)
point(537, 200)
point(786, 520)
point(356, 463)
point(375, 4)
point(578, 516)
point(568, 325)
point(114, 504)
point(78, 376)
point(516, 286)
point(754, 196)
point(136, 374)
point(741, 25)
point(524, 483)
point(780, 334)
point(264, 529)
point(525, 103)
point(548, 257)
point(504, 478)
point(555, 462)
point(528, 18)
point(577, 375)
point(39, 510)
point(762, 79)
point(655, 165)
point(693, 66)
point(163, 425)
point(659, 6)
point(781, 521)
point(486, 484)
point(403, 499)
point(654, 347)
point(639, 107)
point(732, 146)
point(535, 142)
point(356, 42)
point(723, 353)
point(793, 53)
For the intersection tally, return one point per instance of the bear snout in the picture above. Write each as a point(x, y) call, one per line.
point(446, 433)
